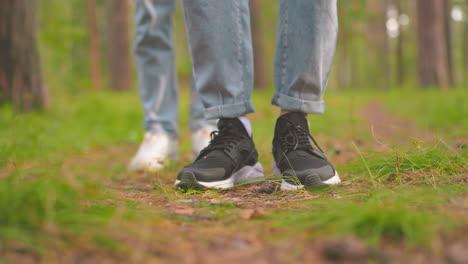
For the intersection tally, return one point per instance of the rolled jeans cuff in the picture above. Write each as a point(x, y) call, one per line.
point(230, 110)
point(298, 105)
point(163, 128)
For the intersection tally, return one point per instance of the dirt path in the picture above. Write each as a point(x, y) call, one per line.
point(387, 130)
point(229, 245)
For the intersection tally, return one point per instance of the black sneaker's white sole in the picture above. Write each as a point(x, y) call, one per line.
point(245, 174)
point(313, 180)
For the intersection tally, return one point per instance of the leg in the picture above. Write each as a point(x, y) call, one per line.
point(197, 113)
point(200, 127)
point(305, 48)
point(158, 85)
point(221, 50)
point(156, 68)
point(306, 42)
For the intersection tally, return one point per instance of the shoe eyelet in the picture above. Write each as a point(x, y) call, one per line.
point(290, 139)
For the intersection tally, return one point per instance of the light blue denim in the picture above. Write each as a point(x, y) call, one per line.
point(157, 75)
point(221, 49)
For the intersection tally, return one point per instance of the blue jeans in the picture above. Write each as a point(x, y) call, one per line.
point(221, 49)
point(157, 72)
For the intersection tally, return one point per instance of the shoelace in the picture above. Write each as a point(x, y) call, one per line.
point(222, 139)
point(298, 138)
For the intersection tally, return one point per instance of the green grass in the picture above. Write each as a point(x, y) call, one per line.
point(409, 214)
point(402, 196)
point(39, 201)
point(426, 158)
point(444, 112)
point(73, 123)
point(45, 192)
point(40, 208)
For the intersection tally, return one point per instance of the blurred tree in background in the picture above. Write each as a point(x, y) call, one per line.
point(378, 43)
point(118, 44)
point(464, 16)
point(260, 71)
point(382, 45)
point(434, 43)
point(94, 49)
point(20, 71)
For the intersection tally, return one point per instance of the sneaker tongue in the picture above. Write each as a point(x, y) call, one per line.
point(216, 154)
point(296, 118)
point(233, 124)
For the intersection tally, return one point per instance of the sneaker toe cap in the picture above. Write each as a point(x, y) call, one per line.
point(205, 174)
point(325, 172)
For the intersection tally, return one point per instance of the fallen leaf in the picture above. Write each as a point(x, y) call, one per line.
point(184, 210)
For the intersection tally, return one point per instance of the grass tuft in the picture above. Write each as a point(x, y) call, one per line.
point(400, 215)
point(410, 165)
point(33, 210)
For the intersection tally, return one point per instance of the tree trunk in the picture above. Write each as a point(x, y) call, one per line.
point(118, 44)
point(344, 58)
point(20, 73)
point(448, 38)
point(378, 41)
point(465, 50)
point(257, 42)
point(433, 51)
point(400, 50)
point(94, 51)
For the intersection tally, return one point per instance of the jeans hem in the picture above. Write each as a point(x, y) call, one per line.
point(157, 128)
point(299, 105)
point(229, 111)
point(196, 125)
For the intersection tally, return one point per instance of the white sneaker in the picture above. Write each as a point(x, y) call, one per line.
point(201, 138)
point(154, 153)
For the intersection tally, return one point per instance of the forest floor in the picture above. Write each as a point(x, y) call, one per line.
point(66, 197)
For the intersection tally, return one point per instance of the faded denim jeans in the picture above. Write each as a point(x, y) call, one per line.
point(157, 72)
point(221, 50)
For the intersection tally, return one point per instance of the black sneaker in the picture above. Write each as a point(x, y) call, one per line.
point(296, 160)
point(229, 159)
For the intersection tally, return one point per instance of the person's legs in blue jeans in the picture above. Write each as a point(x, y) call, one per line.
point(220, 42)
point(158, 88)
point(221, 49)
point(156, 68)
point(305, 47)
point(306, 42)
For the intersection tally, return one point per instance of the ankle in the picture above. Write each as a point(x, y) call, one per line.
point(283, 112)
point(246, 122)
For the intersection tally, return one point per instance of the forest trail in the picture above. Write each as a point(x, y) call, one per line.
point(233, 226)
point(388, 130)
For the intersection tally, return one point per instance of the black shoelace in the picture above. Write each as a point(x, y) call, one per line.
point(297, 138)
point(223, 139)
